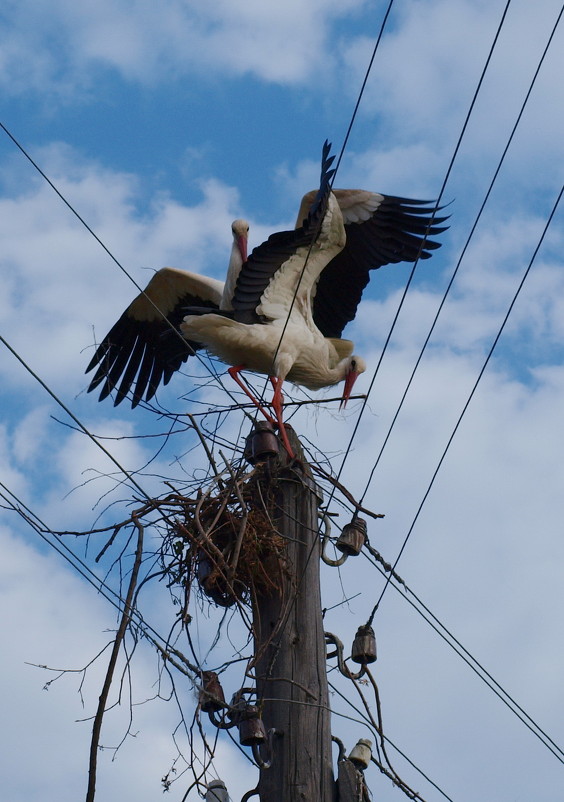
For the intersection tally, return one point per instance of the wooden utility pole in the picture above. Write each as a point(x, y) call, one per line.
point(290, 644)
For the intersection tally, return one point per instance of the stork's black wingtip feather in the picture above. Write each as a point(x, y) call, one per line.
point(106, 390)
point(326, 162)
point(96, 359)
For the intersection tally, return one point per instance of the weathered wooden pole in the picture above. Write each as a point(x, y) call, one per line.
point(290, 652)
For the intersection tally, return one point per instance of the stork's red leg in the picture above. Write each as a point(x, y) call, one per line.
point(277, 403)
point(234, 373)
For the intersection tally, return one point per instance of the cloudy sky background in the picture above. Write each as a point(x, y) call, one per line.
point(162, 123)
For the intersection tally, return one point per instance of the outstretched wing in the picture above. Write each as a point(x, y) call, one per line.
point(380, 229)
point(265, 262)
point(143, 349)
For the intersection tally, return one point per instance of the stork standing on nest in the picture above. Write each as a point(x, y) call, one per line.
point(282, 310)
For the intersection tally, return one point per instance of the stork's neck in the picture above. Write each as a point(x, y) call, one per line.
point(314, 371)
point(338, 373)
point(235, 265)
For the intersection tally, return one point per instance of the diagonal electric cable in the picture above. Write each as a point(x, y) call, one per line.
point(538, 731)
point(206, 363)
point(363, 87)
point(410, 278)
point(349, 129)
point(114, 598)
point(73, 417)
point(462, 254)
point(471, 661)
point(363, 718)
point(170, 655)
point(438, 201)
point(82, 427)
point(339, 159)
point(469, 399)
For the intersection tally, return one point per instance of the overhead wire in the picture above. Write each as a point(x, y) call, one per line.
point(517, 709)
point(335, 170)
point(81, 427)
point(450, 284)
point(124, 471)
point(102, 244)
point(471, 395)
point(486, 677)
point(170, 656)
point(463, 252)
point(139, 288)
point(420, 607)
point(300, 580)
point(341, 153)
point(364, 719)
point(168, 653)
point(363, 86)
point(209, 366)
point(73, 417)
point(102, 587)
point(412, 273)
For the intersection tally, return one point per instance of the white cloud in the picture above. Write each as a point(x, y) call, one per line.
point(56, 46)
point(11, 477)
point(486, 552)
point(413, 67)
point(30, 434)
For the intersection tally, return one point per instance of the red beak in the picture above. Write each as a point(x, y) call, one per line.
point(350, 379)
point(242, 245)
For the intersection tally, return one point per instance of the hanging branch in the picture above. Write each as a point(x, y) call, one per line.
point(120, 635)
point(316, 467)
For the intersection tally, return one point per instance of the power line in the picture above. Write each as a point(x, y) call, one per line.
point(472, 662)
point(462, 254)
point(73, 417)
point(300, 579)
point(363, 718)
point(112, 596)
point(363, 87)
point(486, 677)
point(82, 427)
point(206, 363)
point(335, 170)
point(410, 278)
point(466, 405)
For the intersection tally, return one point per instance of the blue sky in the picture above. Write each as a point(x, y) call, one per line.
point(160, 124)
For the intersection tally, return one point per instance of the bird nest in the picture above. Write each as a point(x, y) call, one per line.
point(233, 550)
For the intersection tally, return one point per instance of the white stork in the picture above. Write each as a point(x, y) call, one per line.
point(281, 312)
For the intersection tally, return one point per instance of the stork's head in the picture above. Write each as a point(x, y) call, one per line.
point(354, 366)
point(240, 229)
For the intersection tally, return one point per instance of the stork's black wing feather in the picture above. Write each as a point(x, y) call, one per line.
point(398, 231)
point(144, 348)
